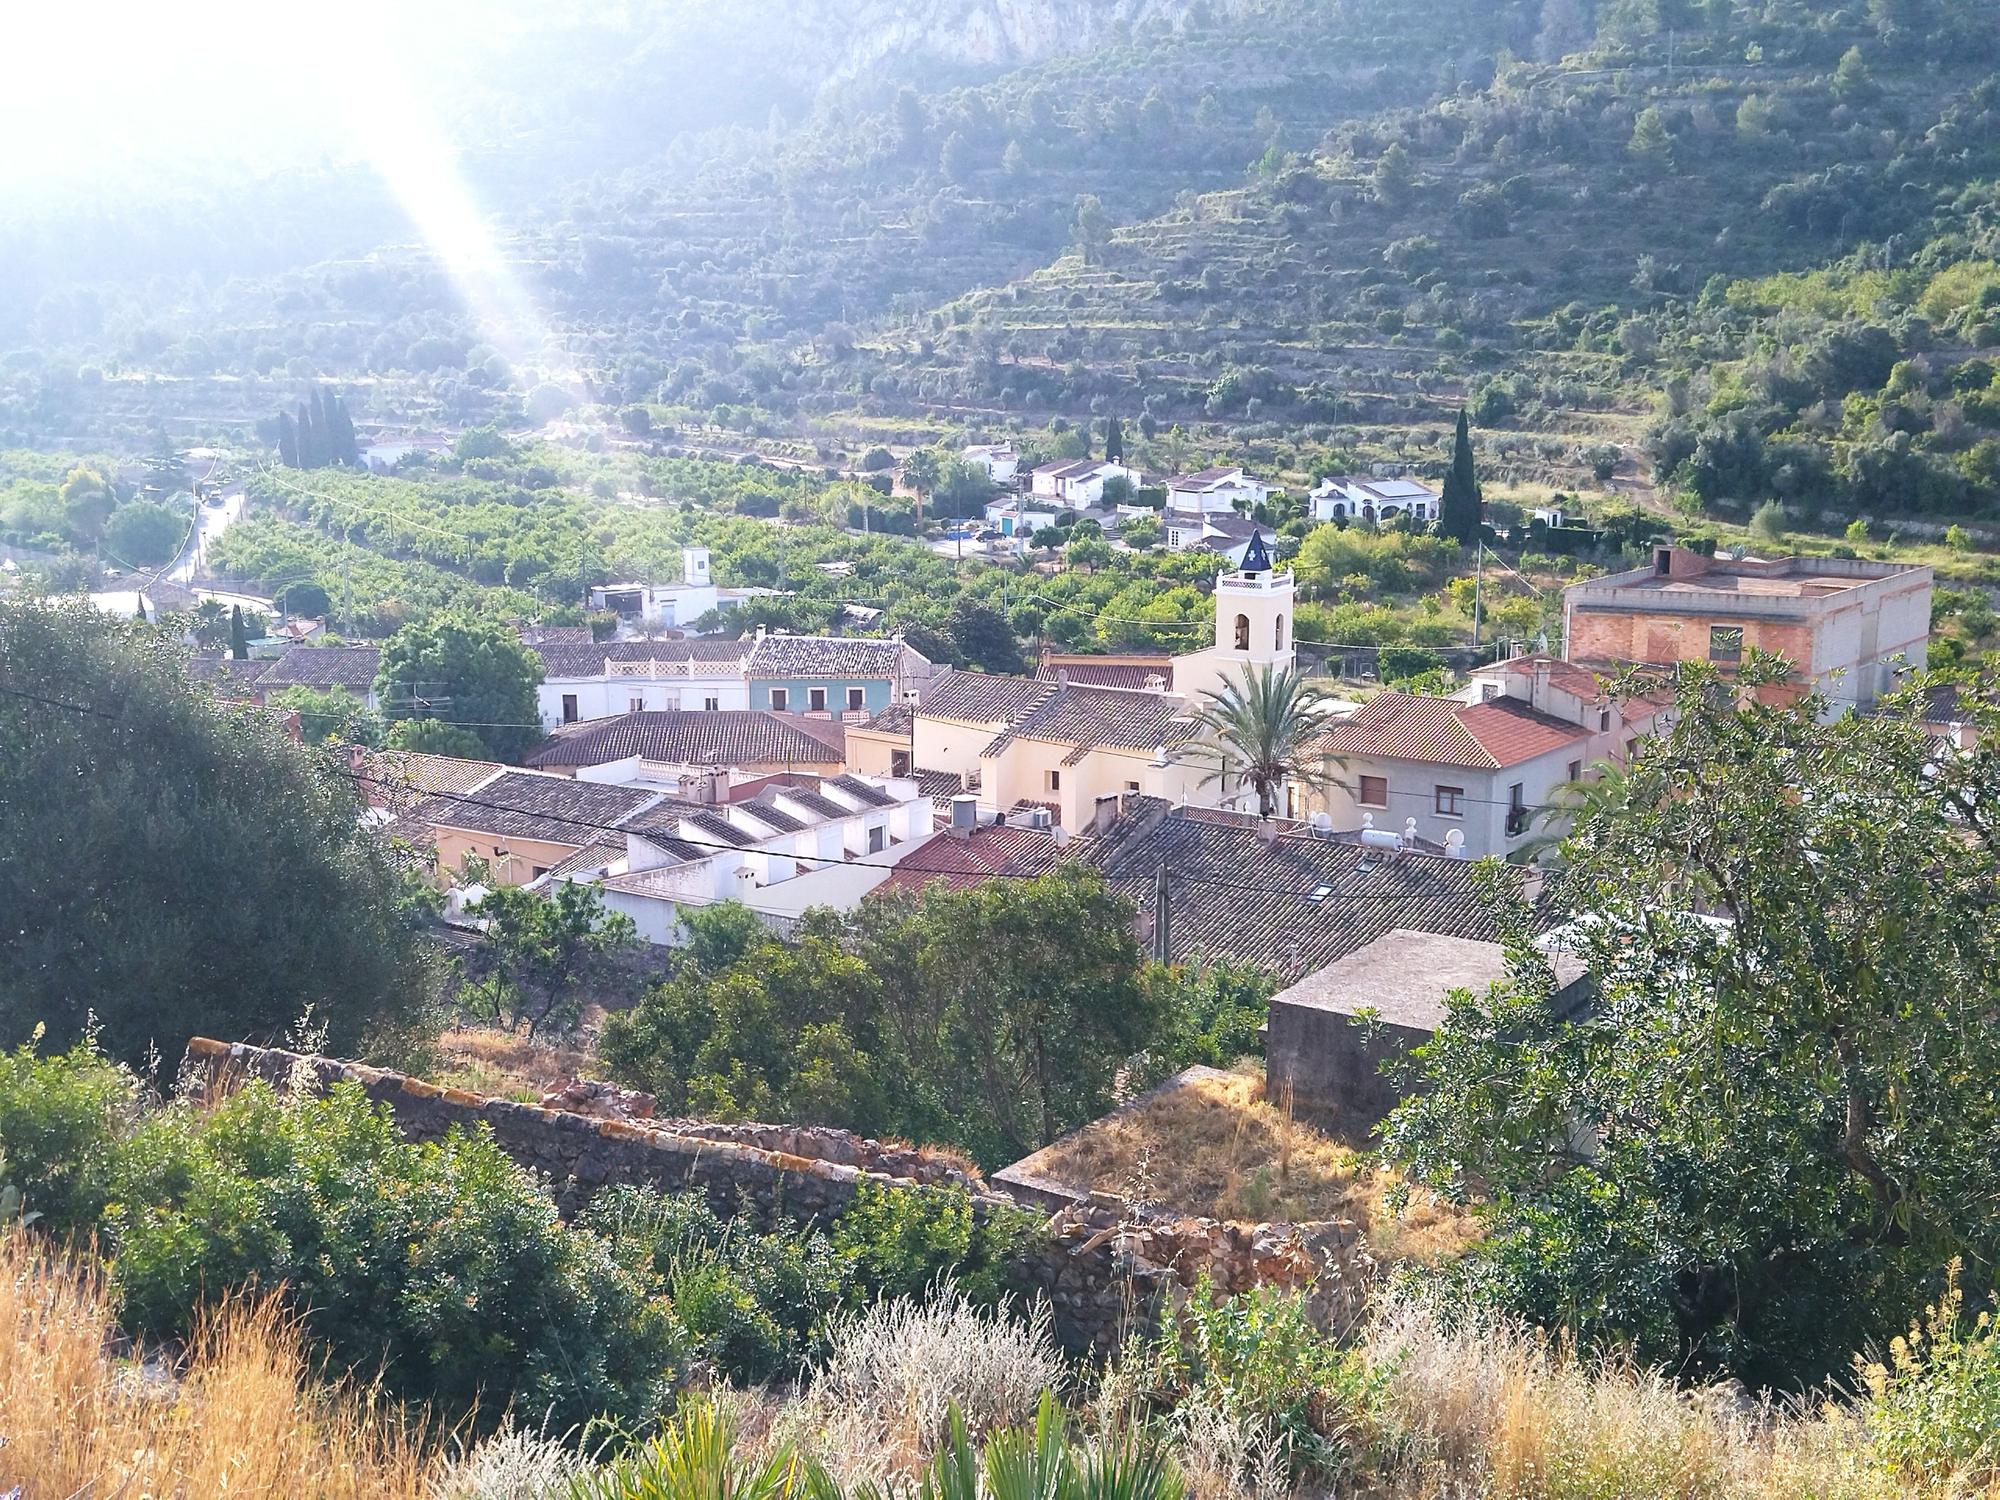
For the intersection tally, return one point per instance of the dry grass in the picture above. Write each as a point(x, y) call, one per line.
point(1215, 1147)
point(1494, 1409)
point(482, 1060)
point(244, 1417)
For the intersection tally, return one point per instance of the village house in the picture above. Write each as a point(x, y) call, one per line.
point(677, 743)
point(1848, 627)
point(1213, 492)
point(880, 744)
point(1078, 484)
point(794, 844)
point(1152, 670)
point(523, 824)
point(1345, 498)
point(1016, 516)
point(320, 668)
point(1224, 533)
point(998, 461)
point(597, 679)
point(846, 675)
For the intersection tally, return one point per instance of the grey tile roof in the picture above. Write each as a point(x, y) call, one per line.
point(897, 718)
point(1093, 718)
point(760, 808)
point(322, 667)
point(554, 809)
point(718, 737)
point(861, 790)
point(714, 825)
point(1233, 893)
point(1404, 976)
point(778, 657)
point(813, 802)
point(587, 658)
point(975, 698)
point(220, 670)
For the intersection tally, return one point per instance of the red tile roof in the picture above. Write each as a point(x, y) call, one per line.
point(959, 864)
point(1444, 731)
point(1572, 677)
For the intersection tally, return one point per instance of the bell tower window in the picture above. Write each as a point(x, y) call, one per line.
point(1279, 641)
point(1242, 632)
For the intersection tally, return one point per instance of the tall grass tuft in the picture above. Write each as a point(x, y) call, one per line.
point(241, 1415)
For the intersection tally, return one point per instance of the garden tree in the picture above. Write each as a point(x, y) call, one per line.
point(982, 638)
point(87, 503)
point(1461, 513)
point(542, 954)
point(144, 533)
point(335, 714)
point(209, 624)
point(434, 737)
point(475, 673)
point(1088, 550)
point(921, 471)
point(239, 640)
point(1262, 728)
point(1760, 1147)
point(175, 867)
point(992, 1019)
point(308, 599)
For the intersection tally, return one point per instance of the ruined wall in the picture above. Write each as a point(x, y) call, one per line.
point(1102, 1267)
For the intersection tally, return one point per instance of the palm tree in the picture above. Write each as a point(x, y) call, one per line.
point(1604, 790)
point(921, 472)
point(1265, 728)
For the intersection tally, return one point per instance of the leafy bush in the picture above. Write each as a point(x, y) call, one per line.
point(60, 1118)
point(442, 1264)
point(1934, 1404)
point(900, 1242)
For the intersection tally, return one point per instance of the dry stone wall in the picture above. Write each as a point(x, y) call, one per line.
point(1103, 1269)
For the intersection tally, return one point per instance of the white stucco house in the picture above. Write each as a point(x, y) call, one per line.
point(1078, 484)
point(1217, 491)
point(1343, 497)
point(999, 460)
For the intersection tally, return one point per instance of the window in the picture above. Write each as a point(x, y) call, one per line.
point(816, 700)
point(1131, 786)
point(1281, 633)
point(1517, 811)
point(1055, 781)
point(636, 703)
point(1242, 632)
point(878, 839)
point(1725, 643)
point(1604, 721)
point(711, 704)
point(1450, 801)
point(857, 699)
point(899, 762)
point(540, 871)
point(1374, 791)
point(1576, 770)
point(569, 708)
point(780, 699)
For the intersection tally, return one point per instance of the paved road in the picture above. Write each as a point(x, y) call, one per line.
point(212, 521)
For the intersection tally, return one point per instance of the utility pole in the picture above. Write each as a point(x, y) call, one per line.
point(1478, 584)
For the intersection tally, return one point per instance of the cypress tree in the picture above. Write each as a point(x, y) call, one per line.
point(346, 446)
point(322, 431)
point(239, 638)
point(1461, 513)
point(307, 444)
point(1114, 441)
point(288, 440)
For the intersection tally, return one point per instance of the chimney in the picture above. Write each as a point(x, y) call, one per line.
point(1155, 683)
point(964, 815)
point(1062, 677)
point(746, 882)
point(1538, 694)
point(1104, 816)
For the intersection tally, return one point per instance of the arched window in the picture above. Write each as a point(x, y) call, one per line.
point(1242, 632)
point(1280, 644)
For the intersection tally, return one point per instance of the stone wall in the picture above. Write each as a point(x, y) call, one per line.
point(1103, 1268)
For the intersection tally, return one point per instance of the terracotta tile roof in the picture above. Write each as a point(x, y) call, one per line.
point(718, 737)
point(553, 809)
point(976, 698)
point(959, 864)
point(1107, 671)
point(1231, 892)
point(795, 656)
point(322, 667)
point(939, 786)
point(1572, 677)
point(221, 671)
point(1446, 732)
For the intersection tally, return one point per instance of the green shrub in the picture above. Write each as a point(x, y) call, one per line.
point(60, 1119)
point(753, 1305)
point(441, 1264)
point(898, 1242)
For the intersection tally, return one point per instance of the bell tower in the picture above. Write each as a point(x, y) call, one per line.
point(1253, 613)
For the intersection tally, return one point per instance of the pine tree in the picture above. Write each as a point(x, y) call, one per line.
point(1114, 441)
point(1461, 513)
point(239, 638)
point(288, 440)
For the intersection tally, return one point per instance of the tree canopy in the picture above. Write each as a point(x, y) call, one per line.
point(1776, 1126)
point(169, 865)
point(472, 673)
